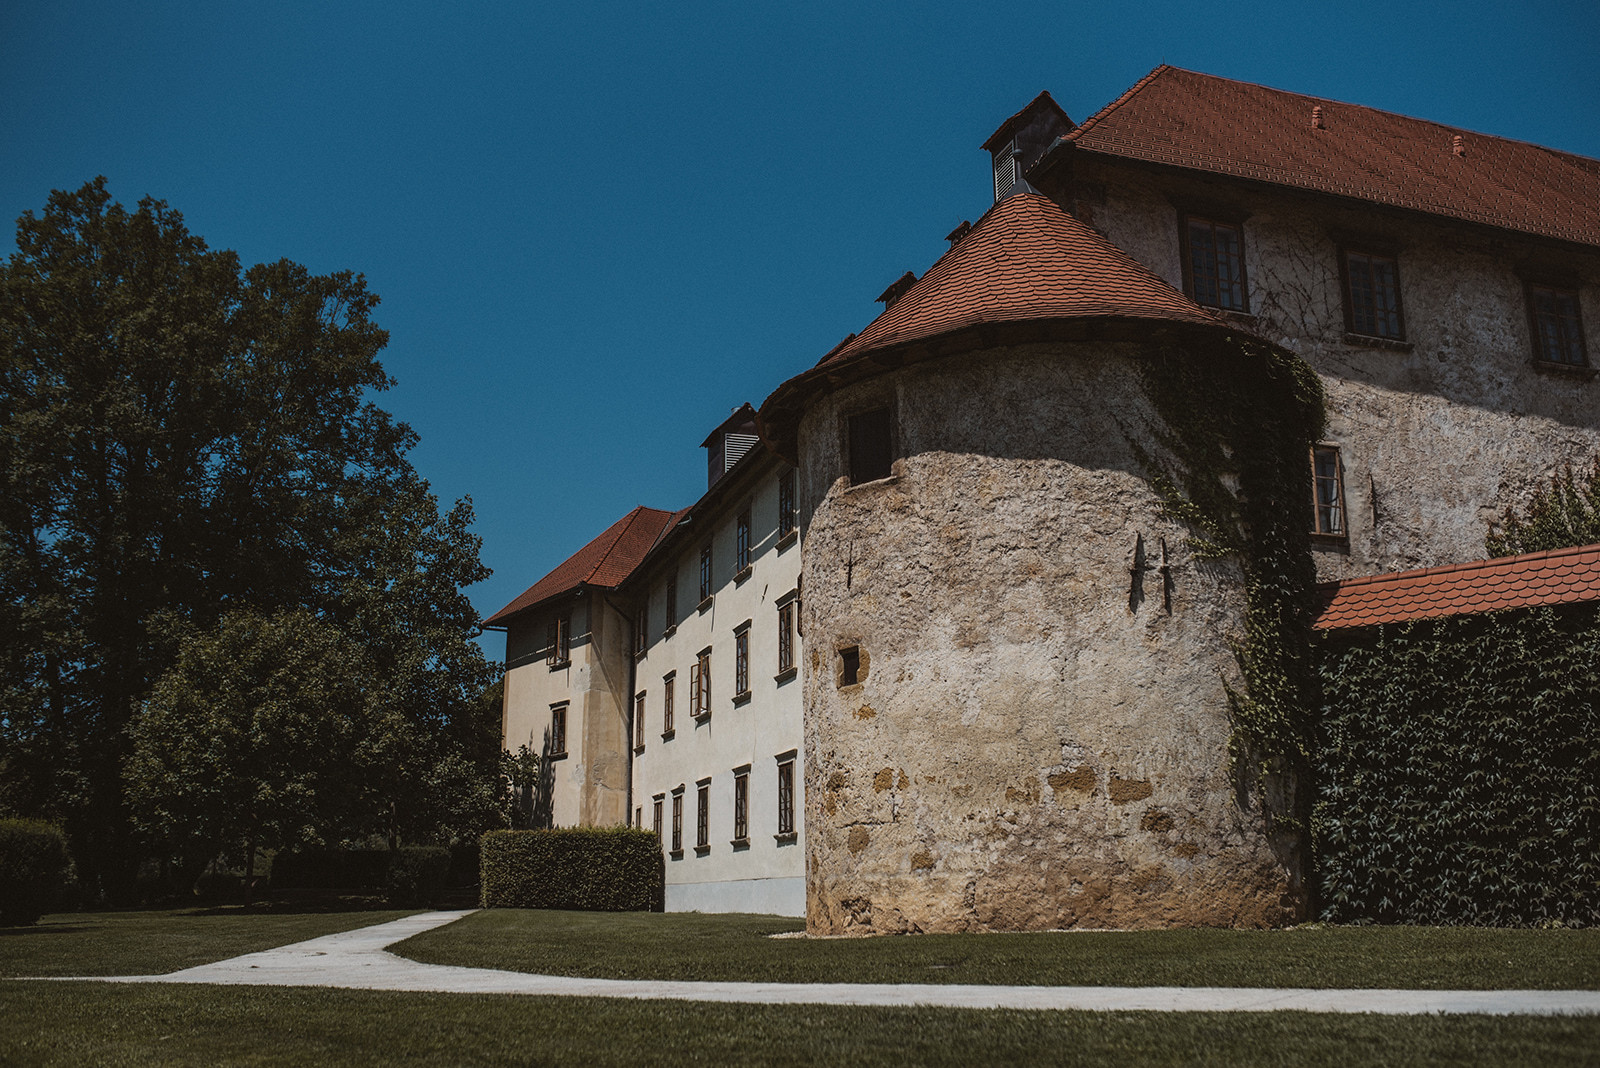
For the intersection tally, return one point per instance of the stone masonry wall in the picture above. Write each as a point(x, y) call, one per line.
point(1036, 741)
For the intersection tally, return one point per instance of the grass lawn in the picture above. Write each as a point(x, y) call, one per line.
point(152, 942)
point(124, 1024)
point(686, 945)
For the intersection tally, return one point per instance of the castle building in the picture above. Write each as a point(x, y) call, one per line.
point(989, 661)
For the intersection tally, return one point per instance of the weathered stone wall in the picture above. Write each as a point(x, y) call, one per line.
point(1036, 741)
point(1437, 436)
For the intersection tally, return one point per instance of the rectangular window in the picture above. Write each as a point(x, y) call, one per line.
point(638, 720)
point(786, 797)
point(558, 730)
point(1372, 295)
point(1328, 476)
point(677, 820)
point(871, 448)
point(655, 813)
point(669, 686)
point(700, 685)
point(638, 817)
point(702, 816)
point(741, 806)
point(788, 509)
point(640, 622)
point(705, 571)
point(741, 543)
point(1215, 264)
point(786, 636)
point(741, 663)
point(1557, 328)
point(559, 641)
point(672, 599)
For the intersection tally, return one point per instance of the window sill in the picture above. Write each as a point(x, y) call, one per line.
point(1369, 341)
point(1340, 542)
point(701, 851)
point(668, 735)
point(788, 539)
point(742, 698)
point(740, 843)
point(705, 605)
point(744, 573)
point(701, 717)
point(669, 632)
point(785, 675)
point(1243, 318)
point(557, 665)
point(1570, 370)
point(675, 854)
point(558, 756)
point(638, 749)
point(786, 839)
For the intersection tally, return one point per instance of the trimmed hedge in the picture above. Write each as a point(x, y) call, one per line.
point(599, 869)
point(1458, 777)
point(410, 875)
point(34, 865)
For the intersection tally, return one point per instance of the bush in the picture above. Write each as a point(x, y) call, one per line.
point(611, 869)
point(34, 866)
point(331, 869)
point(417, 875)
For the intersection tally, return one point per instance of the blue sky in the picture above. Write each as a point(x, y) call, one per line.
point(597, 228)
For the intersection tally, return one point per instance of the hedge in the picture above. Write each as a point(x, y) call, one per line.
point(34, 865)
point(410, 875)
point(601, 869)
point(1458, 770)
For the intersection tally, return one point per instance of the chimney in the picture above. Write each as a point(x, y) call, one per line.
point(1458, 146)
point(896, 290)
point(730, 442)
point(1316, 118)
point(1021, 140)
point(955, 236)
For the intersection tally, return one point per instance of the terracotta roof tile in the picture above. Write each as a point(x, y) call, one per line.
point(1561, 576)
point(1025, 260)
point(606, 561)
point(1198, 121)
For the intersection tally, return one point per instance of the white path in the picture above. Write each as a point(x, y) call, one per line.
point(359, 960)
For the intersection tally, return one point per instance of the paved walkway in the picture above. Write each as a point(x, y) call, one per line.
point(359, 960)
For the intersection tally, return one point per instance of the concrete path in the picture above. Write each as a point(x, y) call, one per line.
point(359, 960)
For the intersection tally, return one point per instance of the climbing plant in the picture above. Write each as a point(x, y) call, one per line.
point(1566, 514)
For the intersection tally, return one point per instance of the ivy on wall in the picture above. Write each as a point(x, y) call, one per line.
point(1238, 418)
point(1458, 770)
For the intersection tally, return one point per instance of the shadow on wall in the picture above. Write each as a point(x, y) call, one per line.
point(533, 789)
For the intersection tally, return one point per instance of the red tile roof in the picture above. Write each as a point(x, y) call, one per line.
point(1560, 576)
point(1025, 260)
point(1202, 122)
point(606, 561)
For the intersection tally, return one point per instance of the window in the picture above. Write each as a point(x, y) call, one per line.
point(741, 661)
point(871, 452)
point(1214, 263)
point(558, 730)
point(788, 509)
point(741, 806)
point(638, 817)
point(849, 665)
point(700, 685)
point(1372, 295)
point(655, 813)
point(669, 685)
point(638, 721)
point(1557, 329)
point(785, 797)
point(672, 600)
point(640, 622)
point(702, 817)
point(677, 821)
point(558, 648)
point(705, 571)
point(1327, 475)
point(741, 543)
point(786, 635)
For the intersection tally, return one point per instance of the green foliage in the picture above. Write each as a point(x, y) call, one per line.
point(1566, 514)
point(605, 869)
point(411, 876)
point(1238, 421)
point(34, 866)
point(1459, 770)
point(417, 875)
point(182, 438)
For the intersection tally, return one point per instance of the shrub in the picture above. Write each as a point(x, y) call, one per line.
point(34, 866)
point(610, 869)
point(417, 875)
point(331, 869)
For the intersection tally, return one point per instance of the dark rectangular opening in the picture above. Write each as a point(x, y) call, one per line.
point(849, 665)
point(871, 453)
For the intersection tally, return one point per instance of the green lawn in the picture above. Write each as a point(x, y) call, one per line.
point(694, 946)
point(114, 1024)
point(153, 943)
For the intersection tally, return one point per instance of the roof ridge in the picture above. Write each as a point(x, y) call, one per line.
point(622, 527)
point(1128, 94)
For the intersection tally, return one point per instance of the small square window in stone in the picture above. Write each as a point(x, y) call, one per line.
point(1557, 327)
point(1216, 264)
point(1372, 294)
point(1328, 480)
point(871, 448)
point(850, 665)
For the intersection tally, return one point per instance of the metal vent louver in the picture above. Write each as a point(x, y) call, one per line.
point(734, 447)
point(1005, 172)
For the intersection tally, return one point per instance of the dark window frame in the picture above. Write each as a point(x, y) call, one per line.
point(677, 822)
point(741, 661)
point(657, 804)
point(672, 602)
point(786, 797)
point(1569, 329)
point(1186, 223)
point(1331, 512)
point(638, 721)
point(702, 816)
point(788, 505)
point(558, 639)
point(786, 634)
point(558, 729)
point(741, 543)
point(868, 459)
point(706, 562)
point(1372, 256)
point(700, 685)
point(669, 687)
point(741, 806)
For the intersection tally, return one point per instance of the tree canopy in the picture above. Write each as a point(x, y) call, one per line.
point(185, 444)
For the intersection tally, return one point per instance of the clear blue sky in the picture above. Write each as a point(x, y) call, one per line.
point(596, 228)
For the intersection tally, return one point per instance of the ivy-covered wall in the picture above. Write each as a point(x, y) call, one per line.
point(1458, 770)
